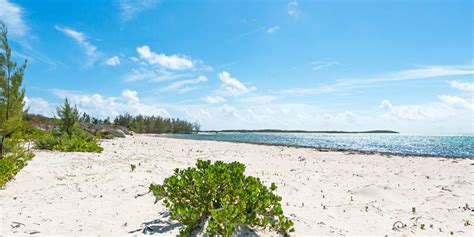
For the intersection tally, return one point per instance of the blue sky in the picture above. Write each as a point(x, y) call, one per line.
point(314, 65)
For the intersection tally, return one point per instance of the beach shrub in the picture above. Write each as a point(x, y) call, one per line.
point(13, 160)
point(80, 141)
point(220, 196)
point(69, 137)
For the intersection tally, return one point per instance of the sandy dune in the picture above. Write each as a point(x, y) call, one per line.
point(325, 193)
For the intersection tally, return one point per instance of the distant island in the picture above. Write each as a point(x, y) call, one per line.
point(291, 131)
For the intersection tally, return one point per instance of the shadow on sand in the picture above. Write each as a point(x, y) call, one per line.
point(161, 225)
point(164, 225)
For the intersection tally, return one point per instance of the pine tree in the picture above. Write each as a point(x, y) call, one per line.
point(11, 91)
point(69, 116)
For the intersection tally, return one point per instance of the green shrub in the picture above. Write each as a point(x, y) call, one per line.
point(118, 133)
point(46, 141)
point(221, 195)
point(14, 160)
point(78, 144)
point(80, 141)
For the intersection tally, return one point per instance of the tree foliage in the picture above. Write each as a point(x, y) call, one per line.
point(13, 154)
point(223, 197)
point(155, 124)
point(11, 91)
point(69, 116)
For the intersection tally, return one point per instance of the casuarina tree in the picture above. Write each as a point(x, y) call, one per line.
point(69, 116)
point(11, 91)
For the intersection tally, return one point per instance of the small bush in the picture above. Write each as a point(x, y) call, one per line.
point(80, 141)
point(13, 161)
point(221, 195)
point(118, 133)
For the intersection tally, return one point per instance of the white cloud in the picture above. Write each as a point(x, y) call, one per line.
point(213, 99)
point(462, 85)
point(12, 15)
point(182, 86)
point(109, 106)
point(317, 65)
point(386, 104)
point(420, 72)
point(227, 109)
point(157, 67)
point(113, 61)
point(446, 107)
point(39, 106)
point(293, 8)
point(272, 29)
point(131, 8)
point(89, 49)
point(457, 101)
point(130, 96)
point(173, 62)
point(233, 86)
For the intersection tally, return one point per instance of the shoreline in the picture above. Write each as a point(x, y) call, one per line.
point(324, 149)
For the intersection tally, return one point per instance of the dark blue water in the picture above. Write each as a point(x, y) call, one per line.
point(447, 146)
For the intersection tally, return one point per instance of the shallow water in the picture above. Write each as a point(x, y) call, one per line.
point(447, 146)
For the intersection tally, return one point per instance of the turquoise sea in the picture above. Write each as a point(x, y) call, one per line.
point(445, 146)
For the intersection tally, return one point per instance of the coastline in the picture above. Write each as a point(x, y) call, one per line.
point(325, 149)
point(324, 193)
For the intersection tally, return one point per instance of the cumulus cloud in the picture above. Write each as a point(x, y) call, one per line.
point(173, 62)
point(39, 106)
point(185, 85)
point(213, 99)
point(462, 85)
point(89, 49)
point(157, 67)
point(232, 86)
point(131, 8)
point(12, 15)
point(457, 101)
point(230, 110)
point(446, 107)
point(109, 106)
point(113, 61)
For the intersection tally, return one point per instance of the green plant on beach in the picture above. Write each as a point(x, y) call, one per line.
point(69, 116)
point(13, 152)
point(221, 196)
point(13, 161)
point(69, 137)
point(132, 167)
point(80, 141)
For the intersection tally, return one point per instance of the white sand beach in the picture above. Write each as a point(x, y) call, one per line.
point(325, 193)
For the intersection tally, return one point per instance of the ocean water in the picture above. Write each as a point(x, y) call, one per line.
point(446, 146)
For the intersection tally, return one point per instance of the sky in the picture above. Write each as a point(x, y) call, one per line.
point(313, 65)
